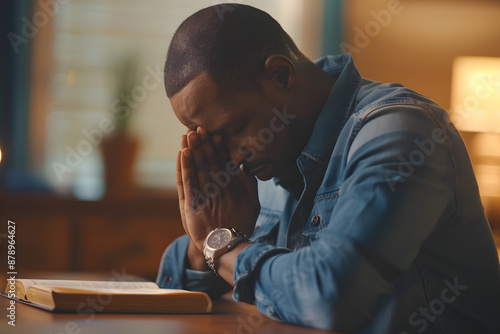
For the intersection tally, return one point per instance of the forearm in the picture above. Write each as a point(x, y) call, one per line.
point(225, 264)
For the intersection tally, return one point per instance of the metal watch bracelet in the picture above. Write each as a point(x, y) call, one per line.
point(233, 243)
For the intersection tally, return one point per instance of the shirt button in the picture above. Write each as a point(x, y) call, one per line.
point(316, 220)
point(168, 278)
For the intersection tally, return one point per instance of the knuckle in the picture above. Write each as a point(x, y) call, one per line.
point(190, 181)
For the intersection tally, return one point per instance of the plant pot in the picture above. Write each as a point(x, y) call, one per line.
point(119, 153)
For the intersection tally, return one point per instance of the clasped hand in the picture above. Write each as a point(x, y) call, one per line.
point(213, 190)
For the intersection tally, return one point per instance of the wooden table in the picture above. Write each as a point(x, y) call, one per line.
point(229, 317)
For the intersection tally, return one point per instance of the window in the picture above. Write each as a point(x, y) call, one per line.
point(90, 37)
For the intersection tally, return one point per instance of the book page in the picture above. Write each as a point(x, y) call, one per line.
point(88, 284)
point(140, 291)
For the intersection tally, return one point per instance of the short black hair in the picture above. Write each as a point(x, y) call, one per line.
point(229, 41)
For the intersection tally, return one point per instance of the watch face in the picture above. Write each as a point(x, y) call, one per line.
point(219, 239)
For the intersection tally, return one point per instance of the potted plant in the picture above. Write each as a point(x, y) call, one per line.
point(120, 148)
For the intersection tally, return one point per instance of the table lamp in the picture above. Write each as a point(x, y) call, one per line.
point(475, 110)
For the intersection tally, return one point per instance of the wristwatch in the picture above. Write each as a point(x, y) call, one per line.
point(219, 242)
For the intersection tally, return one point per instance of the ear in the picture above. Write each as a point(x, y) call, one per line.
point(280, 70)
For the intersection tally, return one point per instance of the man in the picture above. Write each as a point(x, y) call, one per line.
point(372, 221)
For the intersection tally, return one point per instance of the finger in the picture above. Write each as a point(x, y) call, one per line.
point(225, 159)
point(200, 161)
point(178, 177)
point(184, 142)
point(221, 149)
point(189, 179)
point(180, 188)
point(209, 151)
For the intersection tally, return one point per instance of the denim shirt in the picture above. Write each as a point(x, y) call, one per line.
point(388, 235)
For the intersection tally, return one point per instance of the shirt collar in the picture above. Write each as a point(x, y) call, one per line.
point(334, 114)
point(337, 108)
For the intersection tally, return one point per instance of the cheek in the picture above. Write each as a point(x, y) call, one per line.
point(269, 143)
point(266, 140)
point(286, 145)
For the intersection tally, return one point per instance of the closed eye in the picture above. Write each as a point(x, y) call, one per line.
point(236, 131)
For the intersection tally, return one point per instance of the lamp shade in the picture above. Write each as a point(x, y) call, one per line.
point(475, 95)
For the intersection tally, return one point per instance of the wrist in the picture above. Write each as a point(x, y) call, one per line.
point(226, 262)
point(196, 260)
point(231, 256)
point(219, 242)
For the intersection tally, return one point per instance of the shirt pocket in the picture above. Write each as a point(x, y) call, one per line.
point(320, 214)
point(266, 227)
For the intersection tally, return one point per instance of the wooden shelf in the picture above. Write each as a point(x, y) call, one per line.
point(63, 234)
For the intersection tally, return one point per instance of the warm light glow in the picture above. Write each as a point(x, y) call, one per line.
point(487, 145)
point(475, 100)
point(0, 155)
point(488, 179)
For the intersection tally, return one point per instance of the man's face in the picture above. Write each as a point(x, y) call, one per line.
point(257, 128)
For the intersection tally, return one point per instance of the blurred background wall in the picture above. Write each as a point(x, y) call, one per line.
point(89, 140)
point(416, 43)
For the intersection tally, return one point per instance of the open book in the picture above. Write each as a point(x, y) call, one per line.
point(105, 296)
